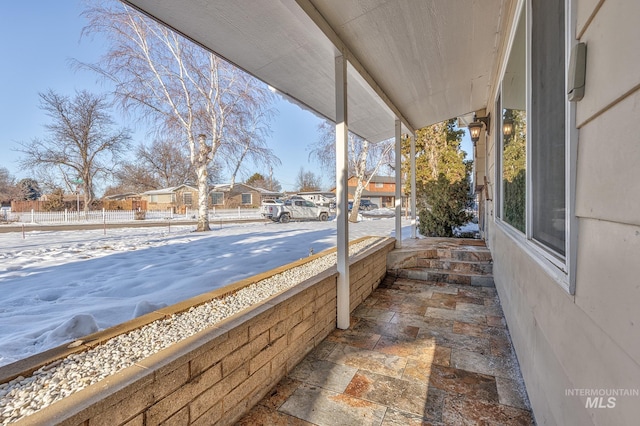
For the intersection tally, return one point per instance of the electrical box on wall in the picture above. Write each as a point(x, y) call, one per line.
point(577, 71)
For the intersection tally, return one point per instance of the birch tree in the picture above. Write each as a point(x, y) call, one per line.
point(364, 159)
point(167, 80)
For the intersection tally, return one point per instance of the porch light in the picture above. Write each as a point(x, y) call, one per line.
point(474, 130)
point(507, 127)
point(476, 127)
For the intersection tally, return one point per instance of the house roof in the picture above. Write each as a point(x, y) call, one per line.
point(420, 61)
point(325, 193)
point(226, 187)
point(122, 196)
point(169, 190)
point(383, 179)
point(366, 193)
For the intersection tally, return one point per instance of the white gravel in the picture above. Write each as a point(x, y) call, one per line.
point(26, 395)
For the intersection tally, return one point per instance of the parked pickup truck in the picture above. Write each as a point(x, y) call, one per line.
point(296, 209)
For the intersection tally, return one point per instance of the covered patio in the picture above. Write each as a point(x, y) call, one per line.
point(377, 68)
point(417, 352)
point(380, 69)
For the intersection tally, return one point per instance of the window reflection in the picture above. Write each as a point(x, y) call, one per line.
point(514, 134)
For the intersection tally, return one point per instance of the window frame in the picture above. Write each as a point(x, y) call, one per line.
point(217, 193)
point(561, 268)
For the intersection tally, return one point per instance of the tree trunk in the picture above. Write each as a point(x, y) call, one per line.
point(203, 205)
point(353, 216)
point(202, 160)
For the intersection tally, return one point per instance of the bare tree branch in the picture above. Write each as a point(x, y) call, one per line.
point(81, 145)
point(364, 159)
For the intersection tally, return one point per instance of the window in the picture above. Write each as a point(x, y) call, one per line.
point(514, 141)
point(379, 185)
point(548, 224)
point(187, 198)
point(153, 198)
point(217, 198)
point(246, 199)
point(532, 136)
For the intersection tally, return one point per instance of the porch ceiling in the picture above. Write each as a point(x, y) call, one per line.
point(421, 60)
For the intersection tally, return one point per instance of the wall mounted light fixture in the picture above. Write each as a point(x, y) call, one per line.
point(476, 127)
point(507, 127)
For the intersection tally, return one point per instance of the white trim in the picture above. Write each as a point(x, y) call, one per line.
point(497, 161)
point(562, 269)
point(571, 155)
point(342, 211)
point(528, 221)
point(412, 155)
point(398, 195)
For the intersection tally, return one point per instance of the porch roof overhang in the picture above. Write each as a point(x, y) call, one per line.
point(418, 61)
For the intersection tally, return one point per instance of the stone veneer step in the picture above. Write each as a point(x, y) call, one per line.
point(463, 266)
point(439, 275)
point(471, 254)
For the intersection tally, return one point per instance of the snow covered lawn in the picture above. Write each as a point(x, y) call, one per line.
point(56, 286)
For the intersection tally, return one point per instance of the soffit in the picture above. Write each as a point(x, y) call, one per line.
point(430, 58)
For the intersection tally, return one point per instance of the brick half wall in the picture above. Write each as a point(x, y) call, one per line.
point(217, 375)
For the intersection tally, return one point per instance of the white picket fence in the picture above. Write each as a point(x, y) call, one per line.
point(120, 216)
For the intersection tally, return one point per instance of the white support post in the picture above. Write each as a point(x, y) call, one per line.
point(398, 183)
point(342, 210)
point(413, 186)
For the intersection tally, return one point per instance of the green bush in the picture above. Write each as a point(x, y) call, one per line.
point(447, 204)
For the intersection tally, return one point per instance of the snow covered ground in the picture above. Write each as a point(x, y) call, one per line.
point(56, 286)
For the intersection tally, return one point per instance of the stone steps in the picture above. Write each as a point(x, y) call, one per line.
point(444, 276)
point(446, 261)
point(461, 266)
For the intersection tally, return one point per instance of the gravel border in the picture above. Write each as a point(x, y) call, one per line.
point(23, 396)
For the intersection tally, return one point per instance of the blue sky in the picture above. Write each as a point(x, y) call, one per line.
point(39, 39)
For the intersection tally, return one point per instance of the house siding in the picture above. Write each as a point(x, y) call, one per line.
point(588, 340)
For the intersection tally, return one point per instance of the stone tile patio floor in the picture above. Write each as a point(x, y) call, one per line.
point(417, 353)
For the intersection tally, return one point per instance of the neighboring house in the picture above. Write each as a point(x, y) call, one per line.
point(125, 201)
point(559, 178)
point(240, 195)
point(381, 190)
point(176, 198)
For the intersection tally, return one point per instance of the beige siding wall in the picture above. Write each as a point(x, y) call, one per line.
point(590, 340)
